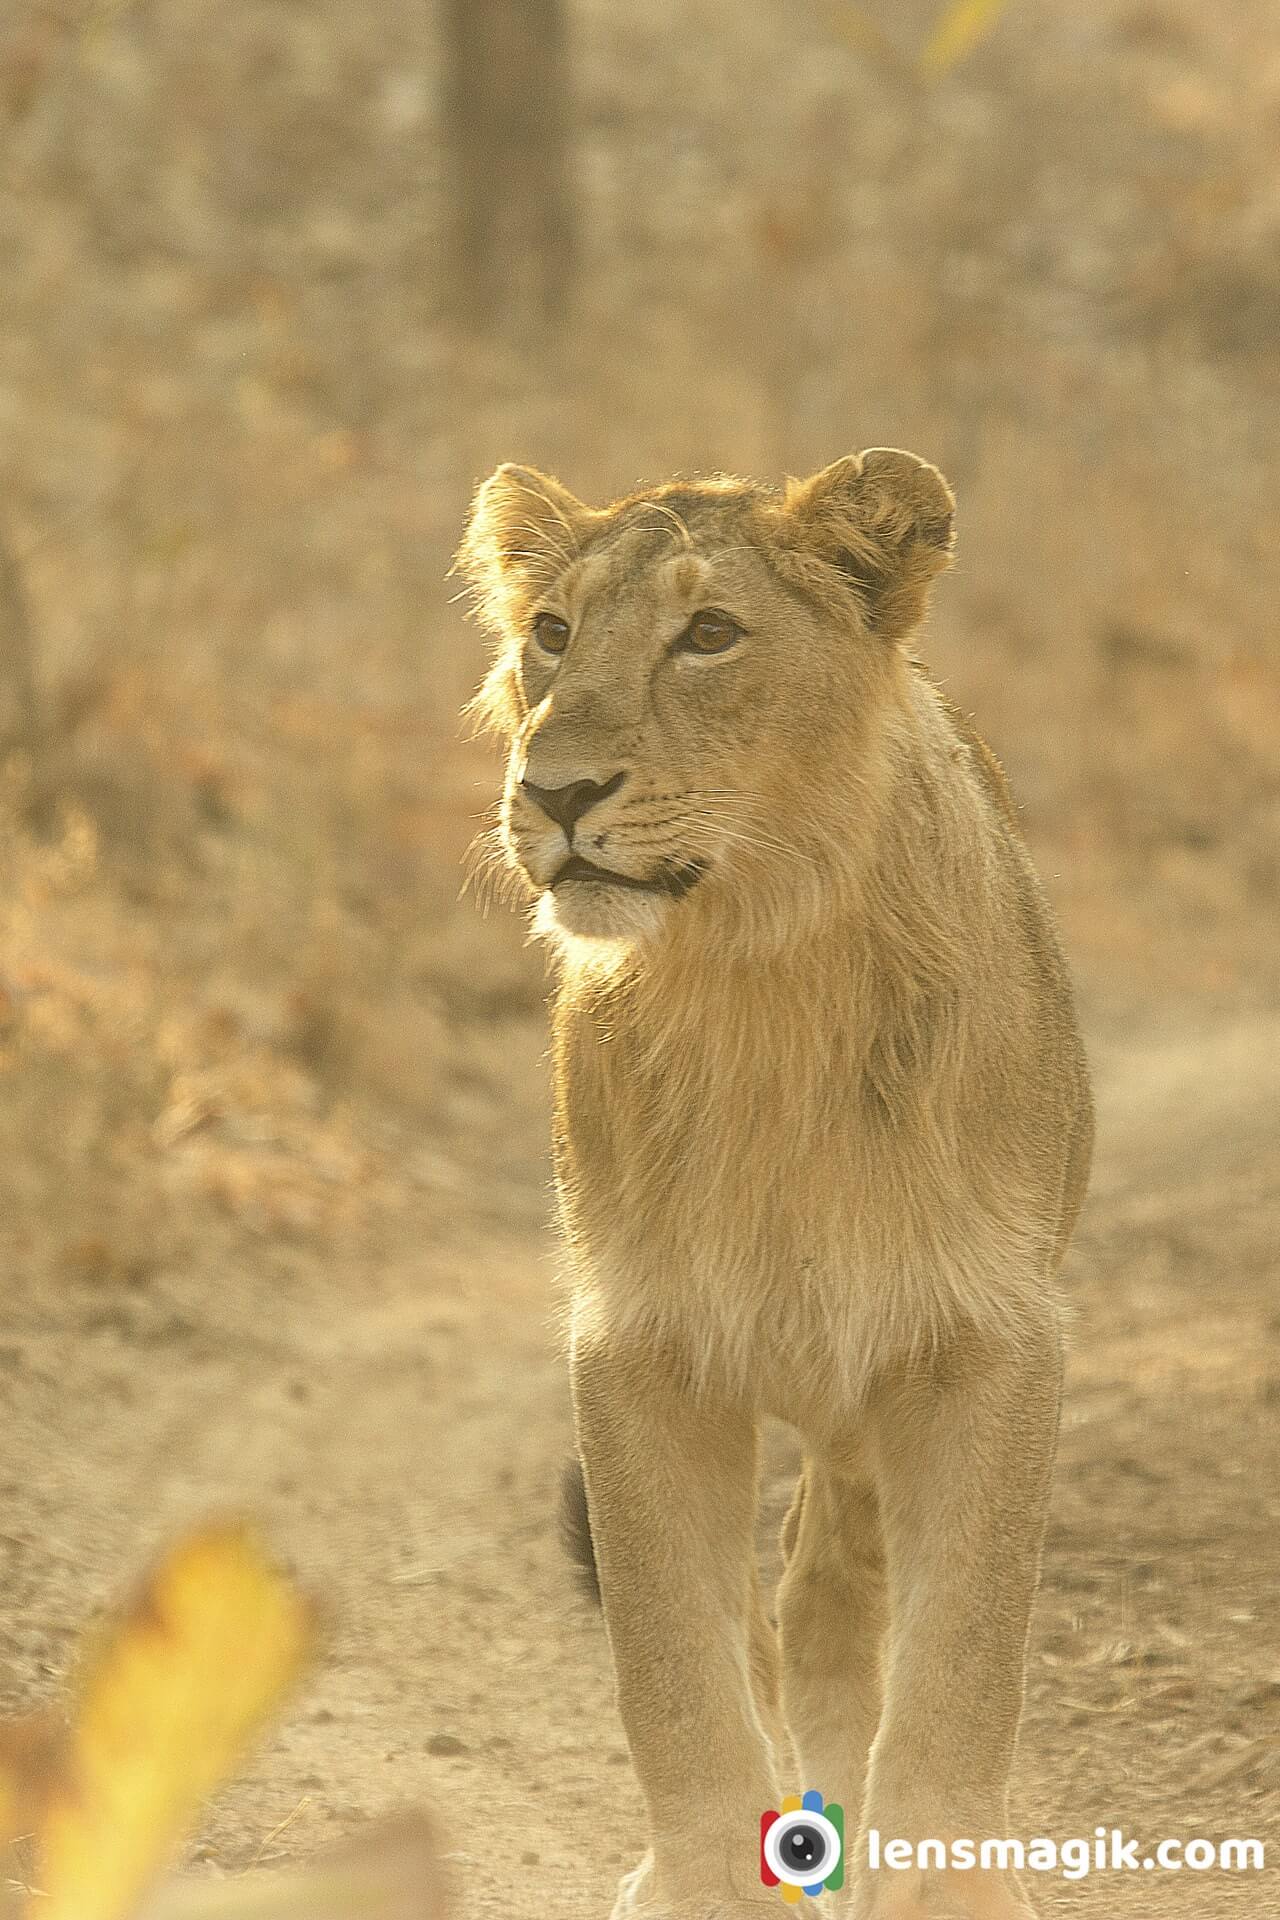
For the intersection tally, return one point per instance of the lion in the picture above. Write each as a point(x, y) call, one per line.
point(822, 1131)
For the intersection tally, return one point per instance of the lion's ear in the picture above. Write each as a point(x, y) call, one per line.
point(523, 530)
point(886, 519)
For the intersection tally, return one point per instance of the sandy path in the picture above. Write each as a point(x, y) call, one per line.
point(399, 1432)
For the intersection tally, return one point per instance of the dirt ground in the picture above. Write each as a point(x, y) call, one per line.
point(274, 1212)
point(399, 1432)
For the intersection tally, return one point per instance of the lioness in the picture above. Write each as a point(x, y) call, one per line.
point(822, 1131)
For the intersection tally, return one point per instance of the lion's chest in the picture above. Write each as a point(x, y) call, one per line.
point(784, 1212)
point(718, 1147)
point(742, 1204)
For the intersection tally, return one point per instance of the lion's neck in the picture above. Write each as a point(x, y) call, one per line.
point(901, 917)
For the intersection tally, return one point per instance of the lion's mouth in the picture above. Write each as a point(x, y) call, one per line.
point(673, 880)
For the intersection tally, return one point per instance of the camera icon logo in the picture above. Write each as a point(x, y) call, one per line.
point(802, 1846)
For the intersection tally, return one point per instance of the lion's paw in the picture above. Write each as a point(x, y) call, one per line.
point(639, 1899)
point(637, 1894)
point(972, 1900)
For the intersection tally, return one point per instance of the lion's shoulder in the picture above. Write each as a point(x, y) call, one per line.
point(979, 755)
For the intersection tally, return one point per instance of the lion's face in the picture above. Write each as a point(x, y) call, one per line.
point(691, 682)
point(657, 752)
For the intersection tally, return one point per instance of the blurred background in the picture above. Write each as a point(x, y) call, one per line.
point(281, 283)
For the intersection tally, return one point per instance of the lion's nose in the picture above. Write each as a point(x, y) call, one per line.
point(566, 805)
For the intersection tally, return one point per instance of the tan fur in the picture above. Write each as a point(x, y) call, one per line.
point(822, 1131)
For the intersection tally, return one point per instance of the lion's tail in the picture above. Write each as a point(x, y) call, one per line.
point(575, 1526)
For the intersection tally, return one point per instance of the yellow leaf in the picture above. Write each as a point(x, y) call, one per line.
point(212, 1641)
point(957, 32)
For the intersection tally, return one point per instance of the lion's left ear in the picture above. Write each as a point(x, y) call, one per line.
point(886, 520)
point(524, 529)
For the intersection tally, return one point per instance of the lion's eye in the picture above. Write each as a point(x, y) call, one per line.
point(710, 632)
point(551, 632)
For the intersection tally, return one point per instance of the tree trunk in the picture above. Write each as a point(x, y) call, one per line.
point(507, 123)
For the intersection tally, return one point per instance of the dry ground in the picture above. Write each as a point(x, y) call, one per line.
point(399, 1428)
point(273, 1202)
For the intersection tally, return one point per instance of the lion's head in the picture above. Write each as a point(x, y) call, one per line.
point(694, 686)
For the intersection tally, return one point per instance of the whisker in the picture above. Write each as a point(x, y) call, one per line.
point(764, 843)
point(561, 516)
point(743, 833)
point(544, 550)
point(658, 506)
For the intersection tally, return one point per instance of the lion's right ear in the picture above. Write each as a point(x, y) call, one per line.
point(524, 529)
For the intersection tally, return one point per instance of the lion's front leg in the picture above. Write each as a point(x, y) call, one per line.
point(964, 1457)
point(831, 1615)
point(671, 1485)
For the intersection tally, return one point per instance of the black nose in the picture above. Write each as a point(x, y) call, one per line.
point(566, 805)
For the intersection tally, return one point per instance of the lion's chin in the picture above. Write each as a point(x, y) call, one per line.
point(586, 910)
